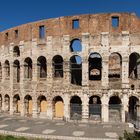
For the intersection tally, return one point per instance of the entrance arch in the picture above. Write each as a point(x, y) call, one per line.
point(7, 103)
point(16, 103)
point(114, 109)
point(42, 104)
point(58, 107)
point(94, 108)
point(28, 104)
point(132, 107)
point(75, 107)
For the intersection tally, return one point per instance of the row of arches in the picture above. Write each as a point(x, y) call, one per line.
point(94, 68)
point(94, 106)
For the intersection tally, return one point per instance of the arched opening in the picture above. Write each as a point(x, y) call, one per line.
point(75, 45)
point(42, 105)
point(7, 103)
point(16, 71)
point(0, 102)
point(95, 66)
point(16, 51)
point(58, 107)
point(95, 108)
point(115, 64)
point(114, 109)
point(28, 105)
point(58, 66)
point(42, 67)
point(134, 66)
point(16, 103)
point(76, 70)
point(28, 68)
point(75, 108)
point(7, 69)
point(0, 71)
point(133, 108)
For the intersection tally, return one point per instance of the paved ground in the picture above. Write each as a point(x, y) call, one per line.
point(59, 129)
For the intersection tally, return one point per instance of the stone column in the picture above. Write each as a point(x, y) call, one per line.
point(105, 59)
point(67, 76)
point(66, 107)
point(3, 104)
point(85, 73)
point(34, 71)
point(105, 80)
point(66, 50)
point(35, 109)
point(125, 59)
point(105, 108)
point(125, 74)
point(11, 106)
point(11, 87)
point(49, 110)
point(124, 109)
point(22, 106)
point(3, 72)
point(85, 108)
point(85, 53)
point(49, 73)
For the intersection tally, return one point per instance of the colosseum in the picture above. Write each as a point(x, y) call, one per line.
point(83, 67)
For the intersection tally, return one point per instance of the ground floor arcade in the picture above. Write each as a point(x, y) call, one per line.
point(75, 107)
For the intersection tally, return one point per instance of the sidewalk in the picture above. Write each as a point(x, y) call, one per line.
point(42, 128)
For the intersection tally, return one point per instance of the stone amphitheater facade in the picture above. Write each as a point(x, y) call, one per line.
point(83, 67)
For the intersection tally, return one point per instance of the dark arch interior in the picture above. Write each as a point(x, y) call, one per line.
point(76, 70)
point(28, 68)
point(41, 63)
point(114, 100)
point(75, 100)
point(16, 51)
point(16, 71)
point(94, 100)
point(58, 66)
point(57, 98)
point(134, 66)
point(95, 66)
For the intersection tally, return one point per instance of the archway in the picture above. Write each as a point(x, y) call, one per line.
point(76, 45)
point(75, 108)
point(28, 68)
point(95, 66)
point(115, 66)
point(114, 109)
point(94, 108)
point(134, 66)
point(58, 66)
point(28, 105)
point(42, 105)
point(58, 107)
point(42, 67)
point(133, 108)
point(16, 71)
point(16, 51)
point(7, 69)
point(16, 103)
point(7, 103)
point(76, 70)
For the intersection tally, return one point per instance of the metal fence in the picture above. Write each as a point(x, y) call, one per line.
point(75, 111)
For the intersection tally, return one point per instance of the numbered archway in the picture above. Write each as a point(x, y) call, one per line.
point(75, 108)
point(16, 103)
point(114, 109)
point(58, 107)
point(42, 104)
point(95, 108)
point(28, 105)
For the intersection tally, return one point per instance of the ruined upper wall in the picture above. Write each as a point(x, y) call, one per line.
point(90, 23)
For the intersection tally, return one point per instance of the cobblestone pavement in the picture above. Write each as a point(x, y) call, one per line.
point(42, 128)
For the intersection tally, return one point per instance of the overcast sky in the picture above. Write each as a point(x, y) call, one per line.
point(17, 12)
